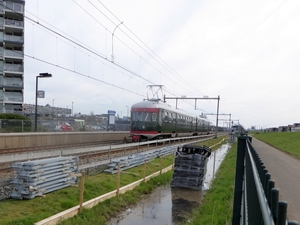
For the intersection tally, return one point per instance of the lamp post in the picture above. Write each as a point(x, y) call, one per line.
point(127, 111)
point(72, 109)
point(53, 108)
point(41, 75)
point(112, 43)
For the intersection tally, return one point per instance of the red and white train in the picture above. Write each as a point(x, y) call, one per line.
point(154, 119)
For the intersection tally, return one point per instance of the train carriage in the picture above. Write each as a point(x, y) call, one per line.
point(153, 119)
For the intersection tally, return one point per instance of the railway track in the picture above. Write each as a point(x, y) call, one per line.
point(51, 147)
point(88, 154)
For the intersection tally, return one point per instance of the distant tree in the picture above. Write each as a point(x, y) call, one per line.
point(10, 122)
point(11, 116)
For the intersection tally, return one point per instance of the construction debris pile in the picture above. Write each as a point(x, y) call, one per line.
point(38, 177)
point(190, 164)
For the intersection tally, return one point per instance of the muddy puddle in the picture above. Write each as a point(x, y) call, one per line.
point(171, 206)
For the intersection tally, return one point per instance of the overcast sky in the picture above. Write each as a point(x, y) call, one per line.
point(246, 52)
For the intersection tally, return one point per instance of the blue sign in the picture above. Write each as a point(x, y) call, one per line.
point(111, 112)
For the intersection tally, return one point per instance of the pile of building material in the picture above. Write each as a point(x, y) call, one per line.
point(190, 164)
point(137, 159)
point(38, 177)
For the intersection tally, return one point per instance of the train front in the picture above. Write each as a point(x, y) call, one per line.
point(144, 121)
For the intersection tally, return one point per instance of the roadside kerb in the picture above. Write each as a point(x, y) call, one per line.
point(55, 219)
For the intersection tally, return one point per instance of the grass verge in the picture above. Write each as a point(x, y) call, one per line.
point(285, 141)
point(217, 206)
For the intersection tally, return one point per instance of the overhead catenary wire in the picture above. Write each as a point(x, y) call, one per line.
point(160, 61)
point(81, 45)
point(163, 64)
point(82, 74)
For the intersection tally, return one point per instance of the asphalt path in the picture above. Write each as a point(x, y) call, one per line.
point(285, 171)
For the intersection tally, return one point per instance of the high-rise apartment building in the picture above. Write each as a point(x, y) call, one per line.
point(11, 56)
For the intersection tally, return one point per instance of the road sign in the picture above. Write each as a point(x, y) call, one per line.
point(111, 112)
point(41, 94)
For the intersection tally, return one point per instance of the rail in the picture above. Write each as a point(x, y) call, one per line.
point(255, 196)
point(7, 159)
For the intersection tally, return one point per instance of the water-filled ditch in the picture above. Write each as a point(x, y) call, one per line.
point(171, 206)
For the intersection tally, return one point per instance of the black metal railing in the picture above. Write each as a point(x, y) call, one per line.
point(256, 200)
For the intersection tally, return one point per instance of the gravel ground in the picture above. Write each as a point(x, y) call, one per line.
point(285, 171)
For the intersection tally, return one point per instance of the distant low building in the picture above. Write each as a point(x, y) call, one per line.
point(296, 127)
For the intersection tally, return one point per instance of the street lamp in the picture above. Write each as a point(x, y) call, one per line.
point(53, 108)
point(127, 111)
point(41, 75)
point(72, 109)
point(112, 43)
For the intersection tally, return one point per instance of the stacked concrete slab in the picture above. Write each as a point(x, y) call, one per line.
point(38, 177)
point(190, 164)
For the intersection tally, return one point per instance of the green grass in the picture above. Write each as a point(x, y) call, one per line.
point(217, 206)
point(102, 212)
point(23, 212)
point(27, 212)
point(286, 141)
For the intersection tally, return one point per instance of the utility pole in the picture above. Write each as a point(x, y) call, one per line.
point(221, 114)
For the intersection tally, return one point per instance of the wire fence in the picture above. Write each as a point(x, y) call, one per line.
point(57, 125)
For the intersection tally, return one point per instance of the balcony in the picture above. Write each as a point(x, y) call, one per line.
point(13, 68)
point(13, 99)
point(13, 38)
point(15, 85)
point(14, 23)
point(14, 7)
point(13, 54)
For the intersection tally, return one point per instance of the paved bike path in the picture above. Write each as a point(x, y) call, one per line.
point(285, 171)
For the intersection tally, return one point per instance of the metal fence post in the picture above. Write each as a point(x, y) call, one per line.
point(238, 190)
point(282, 210)
point(271, 185)
point(274, 204)
point(81, 191)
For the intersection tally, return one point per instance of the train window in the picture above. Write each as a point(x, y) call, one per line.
point(147, 117)
point(165, 116)
point(141, 116)
point(154, 117)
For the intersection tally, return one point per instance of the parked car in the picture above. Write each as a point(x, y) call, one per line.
point(64, 127)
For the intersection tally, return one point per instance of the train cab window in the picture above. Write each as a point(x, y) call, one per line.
point(139, 116)
point(154, 117)
point(147, 117)
point(144, 116)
